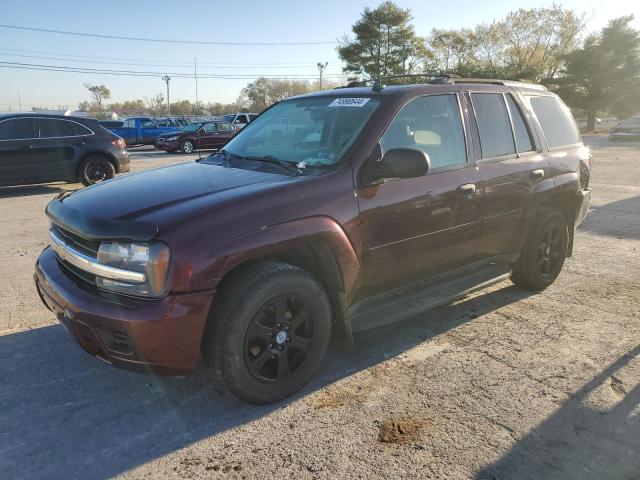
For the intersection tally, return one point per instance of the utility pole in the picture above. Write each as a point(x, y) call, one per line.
point(166, 79)
point(321, 67)
point(19, 101)
point(195, 74)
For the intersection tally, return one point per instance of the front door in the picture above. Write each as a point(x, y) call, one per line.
point(18, 164)
point(414, 228)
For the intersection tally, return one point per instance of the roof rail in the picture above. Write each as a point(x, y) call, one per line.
point(493, 81)
point(442, 78)
point(378, 85)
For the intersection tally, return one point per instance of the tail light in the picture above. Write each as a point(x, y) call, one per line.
point(585, 175)
point(119, 143)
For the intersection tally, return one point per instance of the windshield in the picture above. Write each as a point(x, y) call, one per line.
point(309, 131)
point(192, 127)
point(632, 121)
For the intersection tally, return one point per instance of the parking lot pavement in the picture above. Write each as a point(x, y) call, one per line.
point(503, 384)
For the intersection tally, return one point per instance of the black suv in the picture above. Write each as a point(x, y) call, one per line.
point(48, 148)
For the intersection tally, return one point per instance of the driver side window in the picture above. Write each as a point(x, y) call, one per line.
point(431, 124)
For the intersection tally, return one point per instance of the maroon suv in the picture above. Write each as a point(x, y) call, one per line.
point(367, 205)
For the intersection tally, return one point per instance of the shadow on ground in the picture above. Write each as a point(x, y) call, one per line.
point(66, 415)
point(580, 441)
point(610, 219)
point(27, 190)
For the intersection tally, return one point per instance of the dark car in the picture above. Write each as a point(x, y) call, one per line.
point(627, 130)
point(382, 203)
point(197, 136)
point(51, 148)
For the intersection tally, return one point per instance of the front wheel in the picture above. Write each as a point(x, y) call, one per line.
point(95, 169)
point(544, 252)
point(269, 333)
point(187, 146)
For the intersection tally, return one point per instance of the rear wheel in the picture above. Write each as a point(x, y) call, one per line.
point(544, 252)
point(95, 169)
point(270, 332)
point(187, 146)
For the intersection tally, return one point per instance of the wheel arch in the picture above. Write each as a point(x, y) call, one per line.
point(320, 247)
point(97, 153)
point(563, 197)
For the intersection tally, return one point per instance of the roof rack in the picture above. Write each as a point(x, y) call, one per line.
point(493, 81)
point(442, 78)
point(378, 85)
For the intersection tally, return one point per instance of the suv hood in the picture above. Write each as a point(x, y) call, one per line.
point(134, 207)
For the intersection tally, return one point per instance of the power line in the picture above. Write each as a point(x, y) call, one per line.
point(59, 58)
point(161, 40)
point(139, 73)
point(139, 60)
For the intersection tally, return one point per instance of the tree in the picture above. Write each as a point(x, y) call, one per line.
point(385, 43)
point(99, 93)
point(264, 92)
point(181, 107)
point(84, 106)
point(604, 75)
point(526, 44)
point(155, 104)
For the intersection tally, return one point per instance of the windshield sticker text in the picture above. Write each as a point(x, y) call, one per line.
point(349, 102)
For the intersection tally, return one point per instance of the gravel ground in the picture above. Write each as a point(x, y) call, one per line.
point(502, 385)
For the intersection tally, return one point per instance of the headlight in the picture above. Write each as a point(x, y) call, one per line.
point(152, 260)
point(170, 139)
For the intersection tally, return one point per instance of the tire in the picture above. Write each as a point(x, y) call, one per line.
point(269, 332)
point(95, 169)
point(187, 146)
point(544, 252)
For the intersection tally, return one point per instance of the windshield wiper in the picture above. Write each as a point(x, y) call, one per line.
point(276, 161)
point(265, 159)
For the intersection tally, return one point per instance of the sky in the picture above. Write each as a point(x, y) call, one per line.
point(274, 21)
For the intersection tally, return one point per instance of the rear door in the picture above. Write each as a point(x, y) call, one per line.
point(225, 132)
point(413, 228)
point(510, 163)
point(56, 147)
point(149, 131)
point(17, 155)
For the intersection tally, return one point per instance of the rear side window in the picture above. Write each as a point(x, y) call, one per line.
point(225, 127)
point(18, 129)
point(523, 138)
point(50, 128)
point(146, 123)
point(432, 124)
point(209, 127)
point(130, 123)
point(556, 121)
point(496, 138)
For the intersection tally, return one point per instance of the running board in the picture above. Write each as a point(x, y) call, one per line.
point(400, 304)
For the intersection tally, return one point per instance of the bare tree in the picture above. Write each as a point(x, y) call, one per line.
point(99, 93)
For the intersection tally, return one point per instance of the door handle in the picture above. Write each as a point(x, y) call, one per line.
point(468, 189)
point(537, 174)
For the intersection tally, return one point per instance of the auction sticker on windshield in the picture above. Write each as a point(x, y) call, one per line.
point(349, 102)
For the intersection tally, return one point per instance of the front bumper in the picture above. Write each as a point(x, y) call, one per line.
point(584, 203)
point(156, 336)
point(168, 146)
point(124, 162)
point(624, 135)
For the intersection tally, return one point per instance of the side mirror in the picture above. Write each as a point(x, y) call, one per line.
point(403, 163)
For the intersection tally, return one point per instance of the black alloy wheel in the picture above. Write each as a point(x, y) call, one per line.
point(279, 338)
